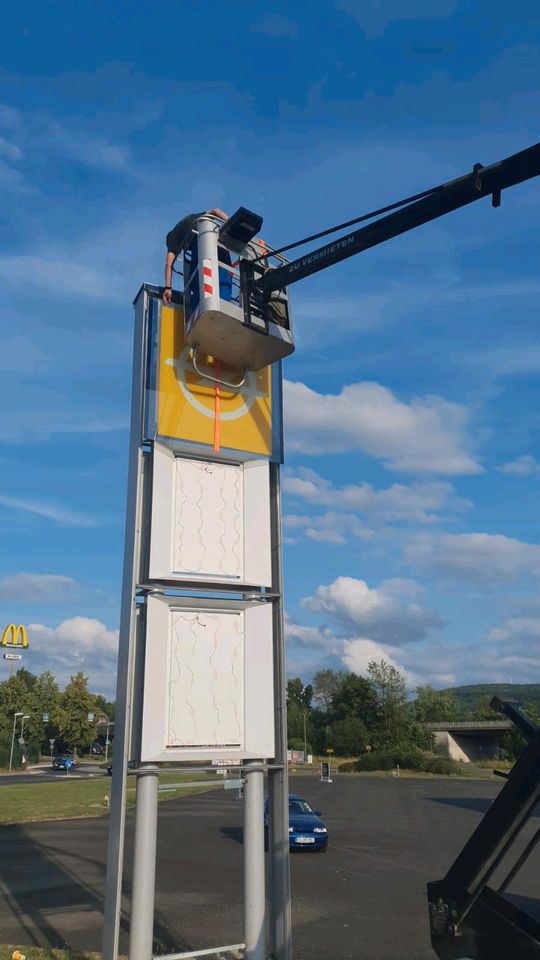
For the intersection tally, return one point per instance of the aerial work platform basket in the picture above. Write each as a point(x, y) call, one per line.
point(219, 322)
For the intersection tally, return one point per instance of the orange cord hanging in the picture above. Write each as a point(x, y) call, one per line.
point(217, 405)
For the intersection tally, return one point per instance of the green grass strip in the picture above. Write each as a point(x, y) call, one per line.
point(67, 799)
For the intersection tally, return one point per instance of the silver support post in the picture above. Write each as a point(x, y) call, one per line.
point(126, 651)
point(254, 891)
point(144, 865)
point(278, 780)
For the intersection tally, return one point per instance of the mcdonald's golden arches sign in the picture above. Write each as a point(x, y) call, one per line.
point(14, 636)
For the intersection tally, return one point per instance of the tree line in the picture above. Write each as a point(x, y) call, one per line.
point(348, 715)
point(51, 713)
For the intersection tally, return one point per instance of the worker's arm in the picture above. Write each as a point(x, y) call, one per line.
point(176, 239)
point(167, 293)
point(216, 212)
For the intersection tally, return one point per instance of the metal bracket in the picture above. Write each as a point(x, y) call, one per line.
point(220, 380)
point(496, 195)
point(478, 176)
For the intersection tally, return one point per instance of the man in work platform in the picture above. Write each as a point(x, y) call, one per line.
point(177, 239)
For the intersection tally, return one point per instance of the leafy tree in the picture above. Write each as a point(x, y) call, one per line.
point(299, 699)
point(513, 741)
point(533, 711)
point(75, 703)
point(416, 733)
point(298, 693)
point(355, 697)
point(44, 699)
point(15, 693)
point(483, 710)
point(295, 719)
point(431, 706)
point(391, 701)
point(104, 707)
point(349, 737)
point(325, 685)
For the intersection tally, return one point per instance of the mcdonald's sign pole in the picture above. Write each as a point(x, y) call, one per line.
point(13, 637)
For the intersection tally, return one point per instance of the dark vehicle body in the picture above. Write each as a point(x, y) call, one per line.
point(64, 761)
point(306, 829)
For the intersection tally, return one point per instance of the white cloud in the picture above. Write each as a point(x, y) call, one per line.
point(54, 273)
point(418, 503)
point(510, 359)
point(9, 150)
point(9, 117)
point(478, 558)
point(76, 644)
point(312, 636)
point(36, 587)
point(359, 652)
point(523, 466)
point(44, 420)
point(374, 16)
point(275, 26)
point(377, 613)
point(89, 150)
point(330, 527)
point(524, 631)
point(364, 630)
point(56, 512)
point(93, 264)
point(427, 435)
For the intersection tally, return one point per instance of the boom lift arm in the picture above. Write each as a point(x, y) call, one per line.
point(259, 282)
point(468, 917)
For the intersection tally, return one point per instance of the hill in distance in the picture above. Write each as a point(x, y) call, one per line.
point(469, 697)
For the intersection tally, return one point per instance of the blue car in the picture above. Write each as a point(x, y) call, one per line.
point(306, 829)
point(63, 762)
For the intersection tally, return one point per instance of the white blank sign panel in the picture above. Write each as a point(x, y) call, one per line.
point(208, 687)
point(206, 679)
point(210, 520)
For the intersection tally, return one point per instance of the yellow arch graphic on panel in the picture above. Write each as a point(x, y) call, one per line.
point(186, 401)
point(12, 634)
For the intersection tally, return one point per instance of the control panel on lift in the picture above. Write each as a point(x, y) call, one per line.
point(218, 322)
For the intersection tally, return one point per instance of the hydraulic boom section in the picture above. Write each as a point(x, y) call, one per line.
point(468, 917)
point(259, 283)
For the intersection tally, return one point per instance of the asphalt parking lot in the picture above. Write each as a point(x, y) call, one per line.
point(364, 898)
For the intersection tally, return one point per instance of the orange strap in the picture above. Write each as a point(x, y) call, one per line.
point(217, 405)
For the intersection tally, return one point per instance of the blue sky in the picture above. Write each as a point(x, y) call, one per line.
point(413, 471)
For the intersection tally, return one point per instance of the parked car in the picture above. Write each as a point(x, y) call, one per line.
point(64, 761)
point(131, 766)
point(306, 829)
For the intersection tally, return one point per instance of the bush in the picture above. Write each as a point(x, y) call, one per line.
point(406, 756)
point(442, 765)
point(348, 737)
point(31, 754)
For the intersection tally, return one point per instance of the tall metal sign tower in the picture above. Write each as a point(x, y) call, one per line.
point(201, 674)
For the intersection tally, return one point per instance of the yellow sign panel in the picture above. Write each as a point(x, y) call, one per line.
point(187, 408)
point(12, 634)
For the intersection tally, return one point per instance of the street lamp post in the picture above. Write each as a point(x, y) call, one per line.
point(107, 741)
point(15, 715)
point(305, 738)
point(26, 716)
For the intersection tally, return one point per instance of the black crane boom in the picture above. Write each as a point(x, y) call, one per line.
point(481, 182)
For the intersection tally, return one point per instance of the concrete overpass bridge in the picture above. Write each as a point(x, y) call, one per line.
point(469, 740)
